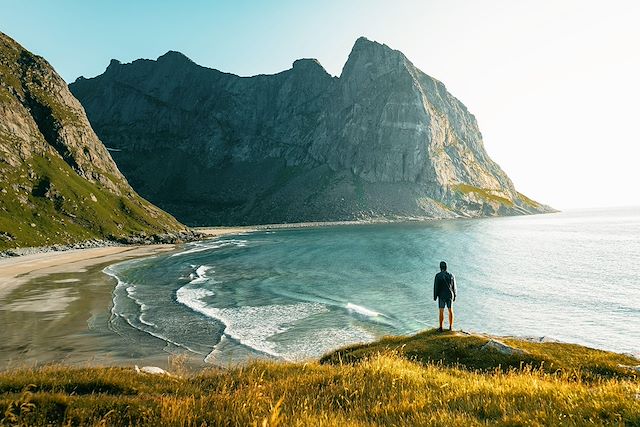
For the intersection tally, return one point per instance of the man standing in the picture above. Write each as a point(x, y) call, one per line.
point(444, 290)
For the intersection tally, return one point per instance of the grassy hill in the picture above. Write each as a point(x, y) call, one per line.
point(58, 206)
point(428, 379)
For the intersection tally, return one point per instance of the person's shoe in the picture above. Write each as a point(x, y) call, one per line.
point(440, 329)
point(450, 329)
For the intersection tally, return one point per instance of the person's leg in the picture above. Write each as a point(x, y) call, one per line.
point(450, 318)
point(441, 317)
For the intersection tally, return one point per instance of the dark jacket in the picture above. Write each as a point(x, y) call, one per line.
point(444, 286)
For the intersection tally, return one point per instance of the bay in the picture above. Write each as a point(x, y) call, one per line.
point(297, 293)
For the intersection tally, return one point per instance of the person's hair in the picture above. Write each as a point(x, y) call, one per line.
point(443, 266)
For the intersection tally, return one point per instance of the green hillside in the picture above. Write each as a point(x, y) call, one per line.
point(58, 183)
point(44, 202)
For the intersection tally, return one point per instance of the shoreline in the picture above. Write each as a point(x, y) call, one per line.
point(41, 271)
point(208, 232)
point(56, 304)
point(16, 271)
point(311, 224)
point(43, 261)
point(56, 307)
point(216, 231)
point(219, 231)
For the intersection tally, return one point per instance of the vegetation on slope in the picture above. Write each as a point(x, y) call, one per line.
point(44, 202)
point(58, 183)
point(469, 351)
point(384, 385)
point(483, 193)
point(529, 201)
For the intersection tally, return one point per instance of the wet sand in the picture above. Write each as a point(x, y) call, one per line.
point(19, 270)
point(55, 308)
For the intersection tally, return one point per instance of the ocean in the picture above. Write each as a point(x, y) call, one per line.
point(298, 293)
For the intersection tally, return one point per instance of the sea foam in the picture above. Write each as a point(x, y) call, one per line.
point(362, 310)
point(252, 326)
point(211, 245)
point(127, 291)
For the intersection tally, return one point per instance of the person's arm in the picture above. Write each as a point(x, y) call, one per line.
point(453, 286)
point(435, 288)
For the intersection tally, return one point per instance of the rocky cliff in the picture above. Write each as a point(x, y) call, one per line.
point(383, 140)
point(58, 183)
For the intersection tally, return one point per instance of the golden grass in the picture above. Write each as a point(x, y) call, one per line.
point(384, 388)
point(457, 349)
point(486, 194)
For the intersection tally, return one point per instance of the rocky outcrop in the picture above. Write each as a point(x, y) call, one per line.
point(500, 347)
point(383, 140)
point(58, 183)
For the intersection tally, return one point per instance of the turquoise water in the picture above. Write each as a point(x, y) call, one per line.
point(298, 293)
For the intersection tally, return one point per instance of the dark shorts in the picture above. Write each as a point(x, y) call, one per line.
point(442, 302)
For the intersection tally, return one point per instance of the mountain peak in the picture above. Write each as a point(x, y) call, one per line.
point(308, 64)
point(364, 44)
point(114, 63)
point(368, 56)
point(362, 40)
point(174, 57)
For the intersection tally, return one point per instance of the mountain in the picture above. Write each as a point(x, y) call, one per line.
point(383, 140)
point(58, 183)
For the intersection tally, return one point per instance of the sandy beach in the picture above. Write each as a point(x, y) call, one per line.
point(18, 270)
point(55, 307)
point(221, 231)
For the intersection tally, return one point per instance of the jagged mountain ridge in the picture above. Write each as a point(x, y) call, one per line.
point(383, 140)
point(58, 183)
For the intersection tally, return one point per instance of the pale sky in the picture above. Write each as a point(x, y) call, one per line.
point(555, 85)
